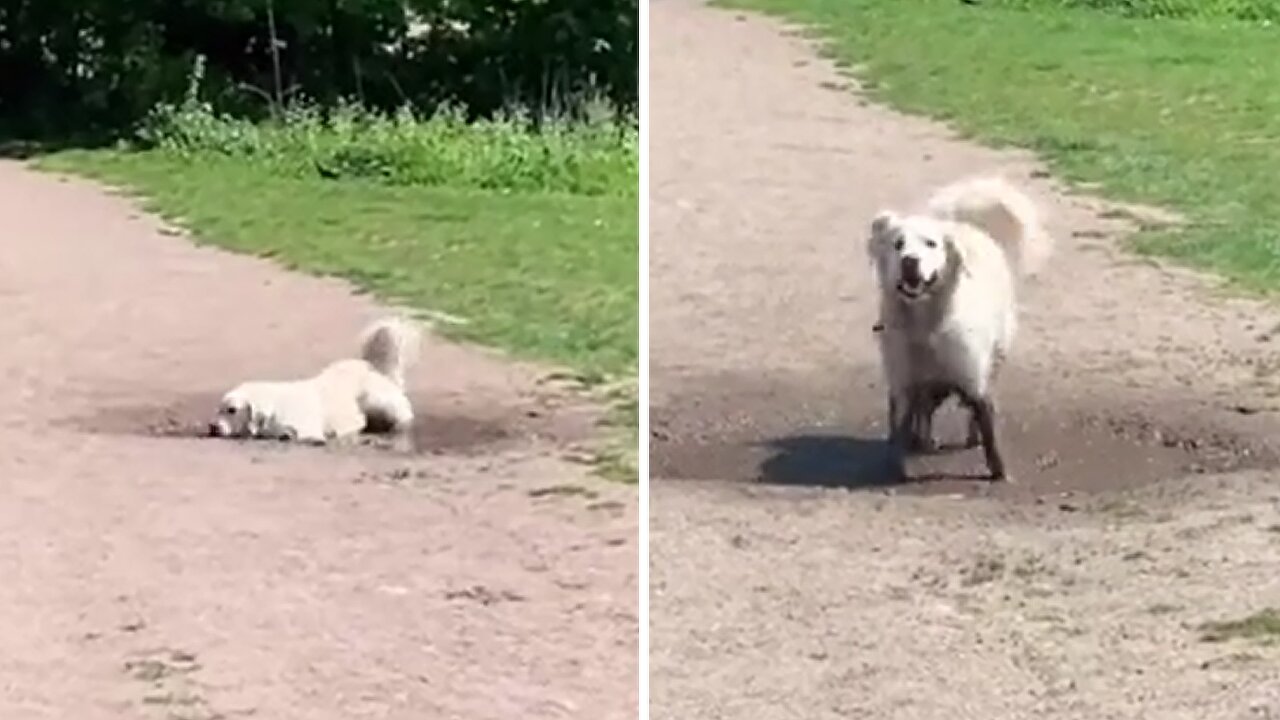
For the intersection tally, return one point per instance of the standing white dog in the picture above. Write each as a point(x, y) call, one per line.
point(344, 399)
point(948, 308)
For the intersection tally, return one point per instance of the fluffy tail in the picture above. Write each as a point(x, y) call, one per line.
point(391, 345)
point(1003, 212)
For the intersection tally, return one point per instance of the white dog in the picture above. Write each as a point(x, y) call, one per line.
point(346, 397)
point(948, 307)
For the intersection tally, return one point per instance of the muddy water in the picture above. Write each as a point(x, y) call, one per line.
point(433, 432)
point(809, 431)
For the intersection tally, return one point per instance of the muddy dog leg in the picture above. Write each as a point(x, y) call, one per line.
point(911, 423)
point(984, 417)
point(929, 398)
point(975, 427)
point(973, 438)
point(900, 425)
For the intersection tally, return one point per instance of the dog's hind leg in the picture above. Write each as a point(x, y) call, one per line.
point(401, 416)
point(984, 416)
point(911, 423)
point(920, 436)
point(925, 403)
point(974, 437)
point(389, 411)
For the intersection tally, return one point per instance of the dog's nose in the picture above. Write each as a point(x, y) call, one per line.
point(213, 430)
point(911, 269)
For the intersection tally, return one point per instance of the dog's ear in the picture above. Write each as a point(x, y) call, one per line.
point(884, 221)
point(957, 256)
point(882, 226)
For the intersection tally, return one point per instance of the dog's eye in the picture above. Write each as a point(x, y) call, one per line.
point(229, 410)
point(897, 244)
point(931, 243)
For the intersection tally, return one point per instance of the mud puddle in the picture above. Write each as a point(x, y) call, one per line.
point(787, 434)
point(435, 432)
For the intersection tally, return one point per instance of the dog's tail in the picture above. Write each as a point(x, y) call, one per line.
point(1003, 212)
point(391, 346)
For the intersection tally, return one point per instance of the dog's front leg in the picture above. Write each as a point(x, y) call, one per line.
point(984, 416)
point(900, 418)
point(974, 438)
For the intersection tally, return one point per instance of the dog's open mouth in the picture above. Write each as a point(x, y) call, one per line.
point(916, 287)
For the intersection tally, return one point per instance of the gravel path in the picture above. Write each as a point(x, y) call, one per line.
point(149, 574)
point(788, 580)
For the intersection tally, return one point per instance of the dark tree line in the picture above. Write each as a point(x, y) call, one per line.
point(79, 65)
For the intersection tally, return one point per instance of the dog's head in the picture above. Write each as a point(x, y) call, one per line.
point(235, 416)
point(913, 255)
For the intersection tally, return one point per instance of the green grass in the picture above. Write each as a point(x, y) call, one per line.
point(619, 459)
point(1179, 113)
point(1262, 626)
point(596, 155)
point(548, 276)
point(526, 231)
point(1237, 9)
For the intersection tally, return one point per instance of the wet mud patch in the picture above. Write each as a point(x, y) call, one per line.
point(786, 433)
point(438, 429)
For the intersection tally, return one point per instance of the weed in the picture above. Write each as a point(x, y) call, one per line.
point(594, 154)
point(985, 569)
point(1262, 626)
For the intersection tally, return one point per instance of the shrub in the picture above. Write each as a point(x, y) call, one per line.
point(78, 65)
point(592, 154)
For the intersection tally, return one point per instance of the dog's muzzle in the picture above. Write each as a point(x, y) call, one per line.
point(910, 271)
point(911, 282)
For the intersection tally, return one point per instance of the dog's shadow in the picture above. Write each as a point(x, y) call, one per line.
point(829, 461)
point(837, 461)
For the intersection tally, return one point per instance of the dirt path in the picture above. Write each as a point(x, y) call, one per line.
point(1139, 415)
point(148, 575)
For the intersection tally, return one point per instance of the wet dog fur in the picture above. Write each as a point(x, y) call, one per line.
point(948, 278)
point(346, 398)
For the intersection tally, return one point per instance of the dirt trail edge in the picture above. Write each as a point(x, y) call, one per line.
point(153, 575)
point(1139, 411)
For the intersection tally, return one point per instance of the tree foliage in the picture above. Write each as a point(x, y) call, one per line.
point(80, 65)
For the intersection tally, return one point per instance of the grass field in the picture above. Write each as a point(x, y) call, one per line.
point(527, 234)
point(1183, 113)
point(547, 276)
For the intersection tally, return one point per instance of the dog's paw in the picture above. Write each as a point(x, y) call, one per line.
point(972, 438)
point(921, 443)
point(1000, 475)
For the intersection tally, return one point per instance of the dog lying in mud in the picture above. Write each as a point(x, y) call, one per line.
point(346, 398)
point(948, 309)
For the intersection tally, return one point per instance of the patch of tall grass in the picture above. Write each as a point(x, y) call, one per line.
point(596, 153)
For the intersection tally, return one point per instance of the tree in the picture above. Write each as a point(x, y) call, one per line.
point(100, 65)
